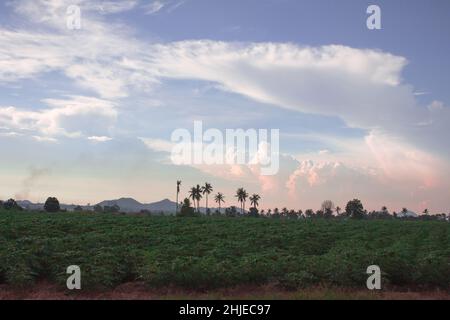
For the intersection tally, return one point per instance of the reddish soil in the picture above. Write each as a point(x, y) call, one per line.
point(138, 291)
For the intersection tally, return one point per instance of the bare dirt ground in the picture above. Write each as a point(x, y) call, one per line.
point(138, 291)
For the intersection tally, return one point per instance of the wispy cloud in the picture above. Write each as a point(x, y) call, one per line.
point(159, 145)
point(99, 139)
point(157, 6)
point(154, 7)
point(175, 5)
point(111, 7)
point(421, 93)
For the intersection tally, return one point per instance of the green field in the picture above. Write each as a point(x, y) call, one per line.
point(212, 253)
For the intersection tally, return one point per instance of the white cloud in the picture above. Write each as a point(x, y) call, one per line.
point(99, 139)
point(92, 56)
point(50, 11)
point(10, 134)
point(363, 87)
point(153, 7)
point(159, 145)
point(45, 139)
point(157, 6)
point(114, 6)
point(68, 117)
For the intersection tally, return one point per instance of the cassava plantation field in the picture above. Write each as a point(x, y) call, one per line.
point(214, 253)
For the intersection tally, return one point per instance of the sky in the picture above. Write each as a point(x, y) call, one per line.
point(87, 114)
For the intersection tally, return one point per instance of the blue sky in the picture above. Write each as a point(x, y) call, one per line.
point(85, 114)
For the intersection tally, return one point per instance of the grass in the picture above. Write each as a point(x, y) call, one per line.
point(216, 253)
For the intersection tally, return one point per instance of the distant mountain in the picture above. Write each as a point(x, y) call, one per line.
point(132, 205)
point(28, 205)
point(163, 205)
point(127, 205)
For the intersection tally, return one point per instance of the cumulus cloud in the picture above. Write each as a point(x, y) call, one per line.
point(64, 117)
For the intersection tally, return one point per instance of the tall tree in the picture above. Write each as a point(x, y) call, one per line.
point(206, 190)
point(198, 196)
point(193, 195)
point(242, 196)
point(178, 192)
point(254, 200)
point(219, 198)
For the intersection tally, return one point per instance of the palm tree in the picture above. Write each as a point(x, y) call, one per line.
point(207, 189)
point(338, 210)
point(242, 196)
point(196, 195)
point(425, 212)
point(193, 195)
point(219, 198)
point(178, 191)
point(254, 200)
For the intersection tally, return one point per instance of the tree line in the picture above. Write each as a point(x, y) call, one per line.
point(354, 208)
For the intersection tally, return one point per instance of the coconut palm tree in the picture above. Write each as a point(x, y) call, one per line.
point(242, 196)
point(206, 190)
point(219, 198)
point(254, 200)
point(178, 191)
point(196, 195)
point(193, 195)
